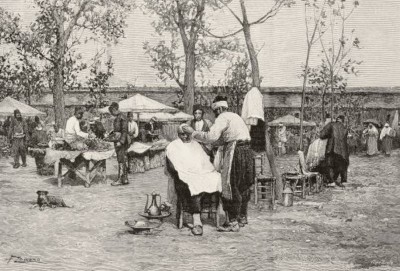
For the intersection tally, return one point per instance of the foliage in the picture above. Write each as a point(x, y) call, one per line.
point(20, 76)
point(236, 83)
point(59, 29)
point(184, 23)
point(98, 83)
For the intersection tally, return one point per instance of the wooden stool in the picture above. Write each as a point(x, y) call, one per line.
point(314, 178)
point(264, 182)
point(208, 203)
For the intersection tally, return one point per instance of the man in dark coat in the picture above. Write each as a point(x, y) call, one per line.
point(337, 153)
point(18, 135)
point(121, 141)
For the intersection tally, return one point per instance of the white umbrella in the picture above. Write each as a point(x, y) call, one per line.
point(8, 105)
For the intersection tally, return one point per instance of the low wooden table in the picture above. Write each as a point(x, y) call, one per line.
point(93, 163)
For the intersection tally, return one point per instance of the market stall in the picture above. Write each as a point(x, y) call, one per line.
point(145, 156)
point(84, 164)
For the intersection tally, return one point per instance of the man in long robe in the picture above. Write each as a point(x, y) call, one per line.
point(18, 134)
point(192, 175)
point(387, 135)
point(372, 140)
point(337, 153)
point(234, 159)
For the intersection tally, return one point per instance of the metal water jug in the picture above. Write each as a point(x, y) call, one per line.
point(287, 197)
point(153, 209)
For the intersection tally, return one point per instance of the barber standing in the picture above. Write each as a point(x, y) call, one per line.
point(234, 159)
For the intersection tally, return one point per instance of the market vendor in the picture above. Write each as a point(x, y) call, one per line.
point(73, 130)
point(97, 127)
point(39, 137)
point(152, 130)
point(191, 175)
point(121, 141)
point(133, 129)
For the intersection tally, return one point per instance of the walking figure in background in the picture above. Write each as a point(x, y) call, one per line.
point(18, 135)
point(372, 140)
point(282, 139)
point(121, 141)
point(337, 153)
point(387, 135)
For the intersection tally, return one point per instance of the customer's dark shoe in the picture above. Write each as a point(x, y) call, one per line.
point(231, 227)
point(243, 221)
point(16, 166)
point(116, 182)
point(24, 165)
point(197, 230)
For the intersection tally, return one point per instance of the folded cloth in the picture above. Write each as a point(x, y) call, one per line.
point(316, 153)
point(194, 167)
point(253, 108)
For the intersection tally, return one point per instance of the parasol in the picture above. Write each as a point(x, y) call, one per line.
point(8, 105)
point(290, 120)
point(373, 121)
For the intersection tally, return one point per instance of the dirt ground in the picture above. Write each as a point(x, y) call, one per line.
point(355, 228)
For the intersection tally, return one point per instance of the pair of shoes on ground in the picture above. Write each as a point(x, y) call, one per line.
point(17, 165)
point(197, 230)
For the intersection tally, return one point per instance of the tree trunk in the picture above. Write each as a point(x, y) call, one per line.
point(303, 96)
point(332, 94)
point(255, 74)
point(323, 106)
point(255, 69)
point(190, 73)
point(58, 85)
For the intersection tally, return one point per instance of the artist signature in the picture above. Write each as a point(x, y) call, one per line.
point(18, 259)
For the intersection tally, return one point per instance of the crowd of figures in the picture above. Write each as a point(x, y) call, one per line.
point(369, 139)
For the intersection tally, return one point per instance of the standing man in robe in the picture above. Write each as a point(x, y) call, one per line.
point(121, 141)
point(234, 159)
point(387, 135)
point(337, 153)
point(372, 135)
point(18, 135)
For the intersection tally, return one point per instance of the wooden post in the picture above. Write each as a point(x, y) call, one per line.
point(58, 169)
point(272, 164)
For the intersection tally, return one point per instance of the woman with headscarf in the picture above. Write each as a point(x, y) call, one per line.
point(372, 141)
point(386, 137)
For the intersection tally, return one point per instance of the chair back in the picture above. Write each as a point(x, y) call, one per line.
point(302, 162)
point(261, 165)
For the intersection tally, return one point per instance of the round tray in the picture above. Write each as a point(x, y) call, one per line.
point(137, 226)
point(163, 215)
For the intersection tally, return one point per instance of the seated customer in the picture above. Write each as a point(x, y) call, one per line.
point(192, 175)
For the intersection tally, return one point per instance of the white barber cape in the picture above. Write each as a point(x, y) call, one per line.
point(194, 167)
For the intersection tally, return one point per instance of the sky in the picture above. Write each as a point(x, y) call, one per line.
point(281, 41)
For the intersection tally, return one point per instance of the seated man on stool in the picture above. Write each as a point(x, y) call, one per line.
point(192, 175)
